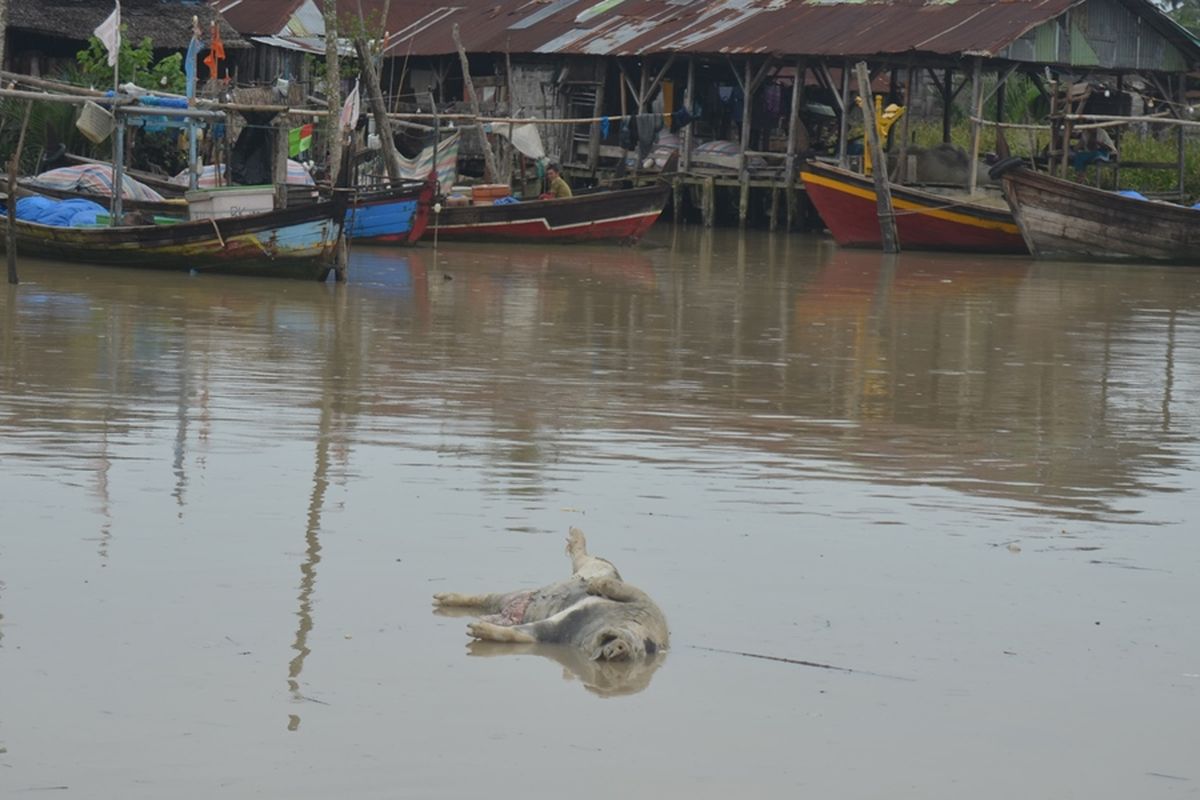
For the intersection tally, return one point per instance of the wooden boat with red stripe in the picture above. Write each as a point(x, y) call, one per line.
point(622, 215)
point(925, 220)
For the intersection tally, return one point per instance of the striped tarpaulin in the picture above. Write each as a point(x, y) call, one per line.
point(418, 167)
point(94, 179)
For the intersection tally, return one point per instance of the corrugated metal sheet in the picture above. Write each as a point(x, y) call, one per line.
point(785, 27)
point(262, 17)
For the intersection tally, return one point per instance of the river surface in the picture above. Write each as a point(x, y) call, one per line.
point(923, 526)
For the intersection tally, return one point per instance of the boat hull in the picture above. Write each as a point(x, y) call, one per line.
point(622, 216)
point(1063, 219)
point(391, 216)
point(846, 202)
point(290, 243)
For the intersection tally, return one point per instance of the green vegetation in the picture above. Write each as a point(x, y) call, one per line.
point(134, 64)
point(51, 124)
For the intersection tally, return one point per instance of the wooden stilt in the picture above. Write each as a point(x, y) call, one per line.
point(744, 178)
point(793, 123)
point(489, 159)
point(279, 163)
point(677, 200)
point(976, 124)
point(689, 100)
point(709, 201)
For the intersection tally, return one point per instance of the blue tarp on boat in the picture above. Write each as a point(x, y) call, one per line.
point(74, 213)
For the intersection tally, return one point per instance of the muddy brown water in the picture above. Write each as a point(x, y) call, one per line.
point(970, 483)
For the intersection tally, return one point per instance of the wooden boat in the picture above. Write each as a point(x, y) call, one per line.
point(622, 215)
point(379, 215)
point(294, 242)
point(925, 220)
point(392, 214)
point(1064, 219)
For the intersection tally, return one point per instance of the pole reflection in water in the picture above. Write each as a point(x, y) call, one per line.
point(814, 454)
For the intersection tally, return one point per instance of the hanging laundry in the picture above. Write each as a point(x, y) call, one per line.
point(604, 123)
point(680, 120)
point(628, 137)
point(648, 126)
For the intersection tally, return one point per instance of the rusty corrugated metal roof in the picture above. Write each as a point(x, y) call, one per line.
point(638, 27)
point(259, 17)
point(783, 27)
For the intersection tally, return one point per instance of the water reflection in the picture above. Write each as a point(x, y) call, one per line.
point(1037, 386)
point(602, 678)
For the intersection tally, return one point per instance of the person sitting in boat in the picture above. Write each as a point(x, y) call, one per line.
point(557, 186)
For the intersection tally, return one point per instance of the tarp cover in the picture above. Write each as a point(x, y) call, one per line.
point(74, 213)
point(94, 179)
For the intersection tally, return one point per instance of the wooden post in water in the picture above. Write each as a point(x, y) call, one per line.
point(118, 135)
point(793, 122)
point(10, 244)
point(13, 165)
point(489, 160)
point(744, 178)
point(883, 192)
point(708, 201)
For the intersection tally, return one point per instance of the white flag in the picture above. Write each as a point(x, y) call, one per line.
point(350, 108)
point(109, 33)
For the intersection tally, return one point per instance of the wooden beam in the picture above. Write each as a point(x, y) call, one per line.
point(391, 158)
point(489, 159)
point(744, 194)
point(793, 121)
point(688, 103)
point(888, 237)
point(844, 125)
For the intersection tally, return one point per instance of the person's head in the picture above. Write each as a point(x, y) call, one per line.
point(552, 170)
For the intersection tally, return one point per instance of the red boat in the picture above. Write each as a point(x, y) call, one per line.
point(925, 220)
point(623, 215)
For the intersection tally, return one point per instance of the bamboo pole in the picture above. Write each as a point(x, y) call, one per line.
point(844, 124)
point(793, 121)
point(489, 159)
point(976, 128)
point(888, 237)
point(910, 79)
point(13, 167)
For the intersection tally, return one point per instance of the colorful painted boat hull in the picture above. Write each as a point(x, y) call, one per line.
point(618, 216)
point(1064, 219)
point(290, 243)
point(924, 220)
point(397, 215)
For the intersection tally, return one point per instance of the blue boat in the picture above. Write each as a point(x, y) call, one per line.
point(390, 215)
